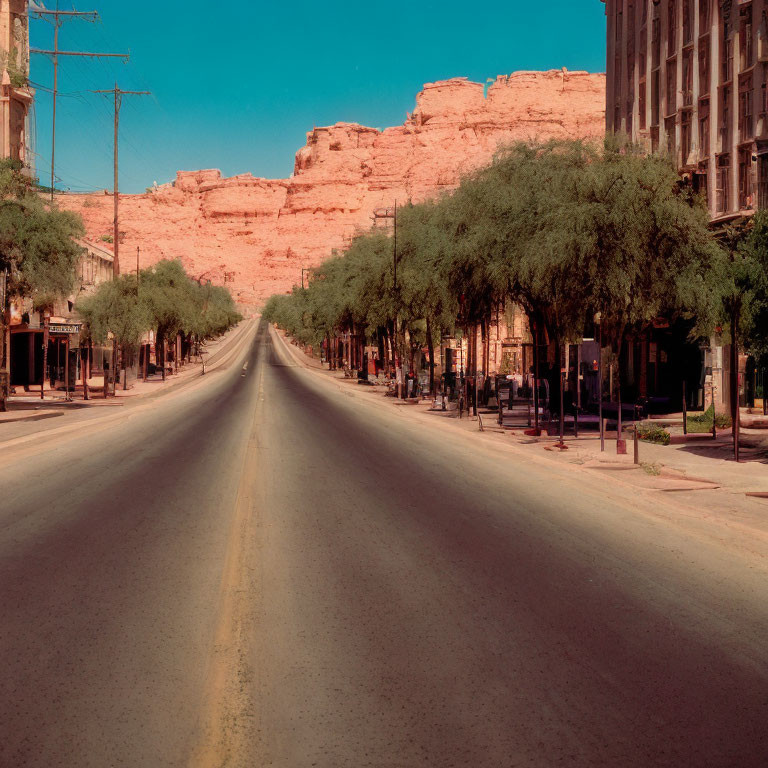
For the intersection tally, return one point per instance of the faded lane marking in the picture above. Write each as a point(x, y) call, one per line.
point(227, 719)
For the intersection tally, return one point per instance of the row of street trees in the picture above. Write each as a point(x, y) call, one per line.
point(162, 298)
point(39, 257)
point(567, 230)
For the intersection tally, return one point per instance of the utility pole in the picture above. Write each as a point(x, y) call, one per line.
point(118, 96)
point(58, 18)
point(391, 213)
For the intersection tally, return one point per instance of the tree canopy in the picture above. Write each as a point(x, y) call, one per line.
point(564, 229)
point(37, 241)
point(164, 299)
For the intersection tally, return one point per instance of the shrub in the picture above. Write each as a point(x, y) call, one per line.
point(653, 434)
point(702, 422)
point(107, 238)
point(722, 421)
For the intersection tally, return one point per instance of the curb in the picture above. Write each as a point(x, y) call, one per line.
point(34, 417)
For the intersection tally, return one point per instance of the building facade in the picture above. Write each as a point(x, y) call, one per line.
point(689, 77)
point(31, 365)
point(16, 97)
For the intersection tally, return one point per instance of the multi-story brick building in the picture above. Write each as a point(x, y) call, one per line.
point(16, 96)
point(689, 77)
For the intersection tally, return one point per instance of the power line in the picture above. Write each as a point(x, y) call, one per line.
point(58, 17)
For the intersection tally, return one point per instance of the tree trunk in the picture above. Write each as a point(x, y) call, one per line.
point(85, 364)
point(734, 380)
point(535, 337)
point(474, 369)
point(431, 349)
point(162, 356)
point(5, 354)
point(559, 359)
point(486, 356)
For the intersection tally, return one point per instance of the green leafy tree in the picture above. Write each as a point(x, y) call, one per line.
point(38, 248)
point(115, 309)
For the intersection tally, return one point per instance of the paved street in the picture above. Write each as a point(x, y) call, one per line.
point(261, 570)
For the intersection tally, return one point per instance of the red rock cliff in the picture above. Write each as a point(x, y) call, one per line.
point(256, 234)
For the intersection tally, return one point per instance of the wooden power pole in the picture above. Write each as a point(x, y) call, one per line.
point(118, 96)
point(58, 18)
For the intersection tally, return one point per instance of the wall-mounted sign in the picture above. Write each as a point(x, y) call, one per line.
point(64, 327)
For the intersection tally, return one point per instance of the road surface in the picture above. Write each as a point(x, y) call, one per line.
point(261, 570)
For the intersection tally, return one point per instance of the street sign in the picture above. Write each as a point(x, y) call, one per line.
point(64, 327)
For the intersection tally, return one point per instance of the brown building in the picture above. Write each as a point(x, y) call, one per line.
point(28, 331)
point(689, 77)
point(15, 95)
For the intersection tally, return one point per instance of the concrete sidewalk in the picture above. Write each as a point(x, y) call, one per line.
point(28, 407)
point(692, 463)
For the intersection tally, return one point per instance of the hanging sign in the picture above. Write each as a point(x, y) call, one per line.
point(64, 327)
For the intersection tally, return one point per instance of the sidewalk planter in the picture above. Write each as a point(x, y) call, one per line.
point(653, 434)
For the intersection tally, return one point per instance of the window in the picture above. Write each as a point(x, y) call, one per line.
point(746, 57)
point(687, 83)
point(762, 37)
point(642, 104)
point(671, 27)
point(722, 183)
point(704, 128)
point(745, 109)
point(762, 181)
point(745, 177)
point(699, 182)
point(703, 16)
point(704, 66)
point(764, 91)
point(671, 86)
point(725, 119)
point(655, 97)
point(687, 22)
point(726, 55)
point(656, 38)
point(669, 132)
point(686, 137)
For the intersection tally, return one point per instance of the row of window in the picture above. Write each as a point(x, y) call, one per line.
point(682, 95)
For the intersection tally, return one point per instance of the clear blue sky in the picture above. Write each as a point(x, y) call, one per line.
point(236, 86)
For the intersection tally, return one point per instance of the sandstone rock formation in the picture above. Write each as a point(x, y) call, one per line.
point(255, 234)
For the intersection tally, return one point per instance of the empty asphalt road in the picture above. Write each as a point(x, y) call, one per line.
point(263, 570)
